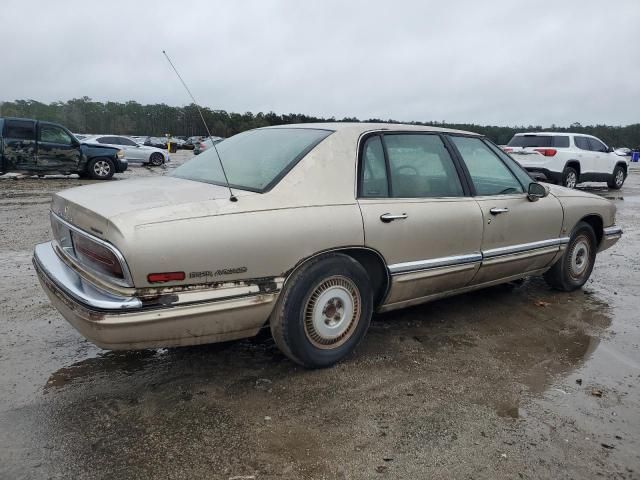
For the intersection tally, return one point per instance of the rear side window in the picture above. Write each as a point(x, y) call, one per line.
point(582, 143)
point(421, 167)
point(19, 130)
point(555, 141)
point(374, 170)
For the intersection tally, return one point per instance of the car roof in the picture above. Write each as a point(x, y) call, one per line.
point(554, 134)
point(358, 127)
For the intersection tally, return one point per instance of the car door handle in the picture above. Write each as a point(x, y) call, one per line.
point(390, 217)
point(498, 210)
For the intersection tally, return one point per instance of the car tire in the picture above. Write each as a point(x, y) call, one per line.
point(617, 179)
point(101, 168)
point(323, 311)
point(569, 177)
point(573, 269)
point(156, 159)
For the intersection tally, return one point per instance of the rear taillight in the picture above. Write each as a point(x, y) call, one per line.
point(96, 256)
point(203, 146)
point(547, 152)
point(507, 149)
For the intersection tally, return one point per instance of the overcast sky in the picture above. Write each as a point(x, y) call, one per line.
point(500, 62)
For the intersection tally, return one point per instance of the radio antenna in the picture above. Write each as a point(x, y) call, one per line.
point(232, 197)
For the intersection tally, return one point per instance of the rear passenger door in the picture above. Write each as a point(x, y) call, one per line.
point(19, 137)
point(418, 215)
point(519, 236)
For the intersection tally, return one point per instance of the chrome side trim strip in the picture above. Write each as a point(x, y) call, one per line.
point(406, 267)
point(612, 231)
point(524, 247)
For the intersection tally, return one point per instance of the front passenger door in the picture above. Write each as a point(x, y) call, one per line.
point(417, 214)
point(520, 236)
point(57, 149)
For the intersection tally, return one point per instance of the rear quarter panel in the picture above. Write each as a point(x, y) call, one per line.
point(233, 247)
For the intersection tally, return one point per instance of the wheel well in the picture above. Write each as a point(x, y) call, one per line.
point(624, 167)
point(375, 267)
point(574, 164)
point(371, 261)
point(596, 223)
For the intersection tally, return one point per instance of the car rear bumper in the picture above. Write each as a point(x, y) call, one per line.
point(118, 322)
point(610, 236)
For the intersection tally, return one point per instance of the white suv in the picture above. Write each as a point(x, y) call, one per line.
point(568, 158)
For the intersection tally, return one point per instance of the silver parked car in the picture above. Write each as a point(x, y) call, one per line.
point(134, 152)
point(327, 224)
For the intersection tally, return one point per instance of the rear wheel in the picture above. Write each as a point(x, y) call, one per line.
point(323, 312)
point(569, 177)
point(618, 178)
point(574, 268)
point(101, 168)
point(156, 159)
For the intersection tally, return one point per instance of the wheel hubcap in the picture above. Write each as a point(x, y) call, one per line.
point(580, 258)
point(101, 168)
point(619, 177)
point(332, 312)
point(571, 180)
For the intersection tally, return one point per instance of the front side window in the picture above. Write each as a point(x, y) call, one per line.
point(582, 143)
point(489, 174)
point(54, 134)
point(125, 141)
point(421, 167)
point(254, 160)
point(596, 145)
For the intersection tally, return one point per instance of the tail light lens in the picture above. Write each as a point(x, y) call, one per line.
point(165, 277)
point(507, 149)
point(547, 152)
point(96, 256)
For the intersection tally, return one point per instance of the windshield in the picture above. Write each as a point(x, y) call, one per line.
point(254, 160)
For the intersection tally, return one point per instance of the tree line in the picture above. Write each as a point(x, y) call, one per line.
point(84, 115)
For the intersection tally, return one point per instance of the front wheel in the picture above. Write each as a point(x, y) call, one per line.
point(569, 177)
point(574, 268)
point(323, 312)
point(618, 178)
point(156, 159)
point(101, 169)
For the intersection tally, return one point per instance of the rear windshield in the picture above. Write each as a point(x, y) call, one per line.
point(254, 160)
point(556, 141)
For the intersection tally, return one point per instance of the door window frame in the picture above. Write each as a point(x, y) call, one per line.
point(459, 168)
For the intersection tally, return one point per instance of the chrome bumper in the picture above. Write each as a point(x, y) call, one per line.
point(122, 323)
point(610, 236)
point(47, 263)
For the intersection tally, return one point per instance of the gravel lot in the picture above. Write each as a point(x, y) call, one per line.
point(508, 382)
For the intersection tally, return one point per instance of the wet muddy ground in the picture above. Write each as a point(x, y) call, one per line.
point(509, 382)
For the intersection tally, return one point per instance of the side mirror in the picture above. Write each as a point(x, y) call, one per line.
point(610, 150)
point(536, 191)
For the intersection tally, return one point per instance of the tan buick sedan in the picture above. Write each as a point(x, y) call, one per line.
point(328, 224)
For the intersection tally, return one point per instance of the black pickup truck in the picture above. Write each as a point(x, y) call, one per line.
point(39, 148)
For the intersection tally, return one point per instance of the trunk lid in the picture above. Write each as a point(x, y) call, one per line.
point(96, 208)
